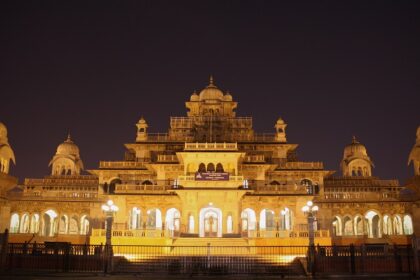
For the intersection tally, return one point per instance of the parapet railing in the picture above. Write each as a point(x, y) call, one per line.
point(210, 146)
point(122, 164)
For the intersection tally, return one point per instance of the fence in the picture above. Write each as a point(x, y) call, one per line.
point(279, 260)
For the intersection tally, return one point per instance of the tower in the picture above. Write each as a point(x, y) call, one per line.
point(415, 154)
point(280, 130)
point(356, 161)
point(6, 152)
point(141, 130)
point(66, 160)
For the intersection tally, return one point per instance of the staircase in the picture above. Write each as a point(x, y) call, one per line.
point(208, 256)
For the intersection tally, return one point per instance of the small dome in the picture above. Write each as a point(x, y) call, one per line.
point(355, 149)
point(3, 130)
point(194, 97)
point(211, 92)
point(280, 121)
point(142, 121)
point(227, 97)
point(68, 148)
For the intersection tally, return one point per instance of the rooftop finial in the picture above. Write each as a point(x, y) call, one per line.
point(354, 140)
point(68, 136)
point(211, 81)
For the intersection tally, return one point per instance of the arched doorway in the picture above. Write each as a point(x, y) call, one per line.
point(49, 223)
point(172, 221)
point(210, 222)
point(373, 224)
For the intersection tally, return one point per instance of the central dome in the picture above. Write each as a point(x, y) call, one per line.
point(211, 92)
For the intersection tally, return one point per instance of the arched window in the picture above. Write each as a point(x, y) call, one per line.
point(219, 168)
point(408, 225)
point(387, 225)
point(202, 168)
point(373, 224)
point(49, 227)
point(24, 223)
point(267, 220)
point(274, 183)
point(84, 225)
point(147, 182)
point(286, 219)
point(74, 225)
point(14, 223)
point(210, 167)
point(398, 225)
point(63, 225)
point(336, 226)
point(172, 221)
point(111, 187)
point(347, 226)
point(154, 219)
point(358, 225)
point(135, 218)
point(34, 223)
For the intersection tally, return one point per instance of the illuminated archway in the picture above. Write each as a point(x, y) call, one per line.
point(210, 222)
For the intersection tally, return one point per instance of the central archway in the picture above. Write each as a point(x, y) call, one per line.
point(210, 222)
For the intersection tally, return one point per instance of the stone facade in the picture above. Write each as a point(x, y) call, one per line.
point(211, 175)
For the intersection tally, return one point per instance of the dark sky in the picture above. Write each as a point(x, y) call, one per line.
point(331, 69)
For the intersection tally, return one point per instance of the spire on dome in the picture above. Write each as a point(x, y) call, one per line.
point(211, 81)
point(354, 140)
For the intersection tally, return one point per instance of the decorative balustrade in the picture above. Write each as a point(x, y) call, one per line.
point(62, 180)
point(360, 182)
point(138, 233)
point(192, 178)
point(301, 165)
point(210, 146)
point(361, 196)
point(167, 158)
point(255, 158)
point(135, 188)
point(122, 164)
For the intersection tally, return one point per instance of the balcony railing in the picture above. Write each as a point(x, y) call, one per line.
point(122, 165)
point(301, 165)
point(210, 146)
point(133, 188)
point(167, 158)
point(192, 178)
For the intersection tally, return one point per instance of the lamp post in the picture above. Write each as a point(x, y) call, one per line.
point(109, 208)
point(310, 210)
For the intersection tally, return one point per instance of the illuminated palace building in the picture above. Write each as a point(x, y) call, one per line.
point(211, 175)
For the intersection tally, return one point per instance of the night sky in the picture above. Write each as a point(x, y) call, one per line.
point(330, 69)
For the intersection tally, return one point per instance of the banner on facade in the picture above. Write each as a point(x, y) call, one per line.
point(212, 176)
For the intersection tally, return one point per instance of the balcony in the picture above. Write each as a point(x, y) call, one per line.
point(134, 188)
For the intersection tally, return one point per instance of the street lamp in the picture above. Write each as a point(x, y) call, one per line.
point(310, 210)
point(109, 208)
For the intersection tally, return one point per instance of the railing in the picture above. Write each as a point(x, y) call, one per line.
point(210, 146)
point(359, 182)
point(167, 158)
point(66, 180)
point(217, 260)
point(249, 234)
point(361, 195)
point(192, 178)
point(301, 165)
point(54, 195)
point(133, 188)
point(122, 164)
